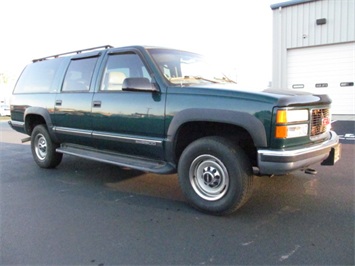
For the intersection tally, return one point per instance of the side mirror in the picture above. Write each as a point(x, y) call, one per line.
point(138, 84)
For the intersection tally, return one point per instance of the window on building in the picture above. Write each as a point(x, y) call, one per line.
point(321, 85)
point(346, 84)
point(297, 86)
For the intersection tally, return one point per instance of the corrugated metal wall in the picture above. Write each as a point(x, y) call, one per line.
point(302, 29)
point(294, 26)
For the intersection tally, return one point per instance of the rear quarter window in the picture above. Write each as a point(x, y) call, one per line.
point(38, 77)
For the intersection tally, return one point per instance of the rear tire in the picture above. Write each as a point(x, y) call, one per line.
point(215, 175)
point(43, 149)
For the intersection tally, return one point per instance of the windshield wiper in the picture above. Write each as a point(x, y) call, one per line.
point(190, 80)
point(226, 79)
point(201, 78)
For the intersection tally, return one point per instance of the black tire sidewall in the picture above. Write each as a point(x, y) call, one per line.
point(52, 158)
point(238, 167)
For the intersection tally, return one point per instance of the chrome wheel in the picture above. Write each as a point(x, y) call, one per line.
point(41, 147)
point(209, 177)
point(215, 175)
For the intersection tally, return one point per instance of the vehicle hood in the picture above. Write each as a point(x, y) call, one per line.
point(277, 97)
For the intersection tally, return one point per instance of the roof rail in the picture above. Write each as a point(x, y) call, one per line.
point(73, 52)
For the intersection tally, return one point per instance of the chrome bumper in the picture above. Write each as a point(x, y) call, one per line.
point(18, 126)
point(280, 162)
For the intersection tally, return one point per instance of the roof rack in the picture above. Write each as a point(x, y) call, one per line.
point(73, 52)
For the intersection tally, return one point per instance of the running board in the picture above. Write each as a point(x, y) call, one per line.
point(138, 163)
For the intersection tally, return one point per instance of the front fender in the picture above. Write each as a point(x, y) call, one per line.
point(247, 121)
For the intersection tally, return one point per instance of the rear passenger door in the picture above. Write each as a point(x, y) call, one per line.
point(72, 111)
point(129, 122)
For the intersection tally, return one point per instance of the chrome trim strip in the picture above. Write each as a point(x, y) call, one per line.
point(108, 136)
point(72, 131)
point(121, 138)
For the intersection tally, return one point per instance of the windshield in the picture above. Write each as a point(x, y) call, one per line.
point(185, 68)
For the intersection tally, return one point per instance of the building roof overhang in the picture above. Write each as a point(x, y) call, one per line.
point(290, 3)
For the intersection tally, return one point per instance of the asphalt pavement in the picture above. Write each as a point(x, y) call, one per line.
point(89, 213)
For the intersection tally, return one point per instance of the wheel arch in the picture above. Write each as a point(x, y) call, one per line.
point(231, 120)
point(34, 116)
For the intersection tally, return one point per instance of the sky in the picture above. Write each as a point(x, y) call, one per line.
point(237, 33)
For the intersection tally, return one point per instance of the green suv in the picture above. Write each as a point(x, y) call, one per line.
point(165, 111)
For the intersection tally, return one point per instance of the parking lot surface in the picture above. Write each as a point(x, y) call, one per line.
point(89, 213)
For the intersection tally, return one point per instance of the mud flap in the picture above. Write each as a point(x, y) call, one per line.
point(334, 156)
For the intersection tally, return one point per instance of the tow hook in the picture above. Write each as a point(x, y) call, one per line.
point(310, 171)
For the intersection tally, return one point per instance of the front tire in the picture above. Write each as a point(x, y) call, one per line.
point(215, 175)
point(43, 149)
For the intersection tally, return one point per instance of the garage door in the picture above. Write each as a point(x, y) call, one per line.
point(325, 70)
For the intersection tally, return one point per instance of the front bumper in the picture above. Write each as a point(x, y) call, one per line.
point(280, 162)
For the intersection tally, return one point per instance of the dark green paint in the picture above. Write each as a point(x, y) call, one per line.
point(148, 115)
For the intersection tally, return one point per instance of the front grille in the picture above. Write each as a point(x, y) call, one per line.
point(320, 121)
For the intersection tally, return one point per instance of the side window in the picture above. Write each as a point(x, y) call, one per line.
point(38, 77)
point(79, 74)
point(122, 66)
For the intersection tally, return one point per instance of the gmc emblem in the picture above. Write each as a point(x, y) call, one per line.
point(325, 121)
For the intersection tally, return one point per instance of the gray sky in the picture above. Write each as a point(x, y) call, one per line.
point(236, 32)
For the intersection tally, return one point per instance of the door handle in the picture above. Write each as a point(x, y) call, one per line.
point(58, 103)
point(96, 104)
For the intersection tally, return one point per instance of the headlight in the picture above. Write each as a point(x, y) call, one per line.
point(290, 116)
point(297, 118)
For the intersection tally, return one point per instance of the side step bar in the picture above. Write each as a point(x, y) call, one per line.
point(138, 163)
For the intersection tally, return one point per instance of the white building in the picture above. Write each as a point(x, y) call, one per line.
point(314, 49)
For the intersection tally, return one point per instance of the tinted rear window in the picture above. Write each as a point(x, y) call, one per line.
point(38, 77)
